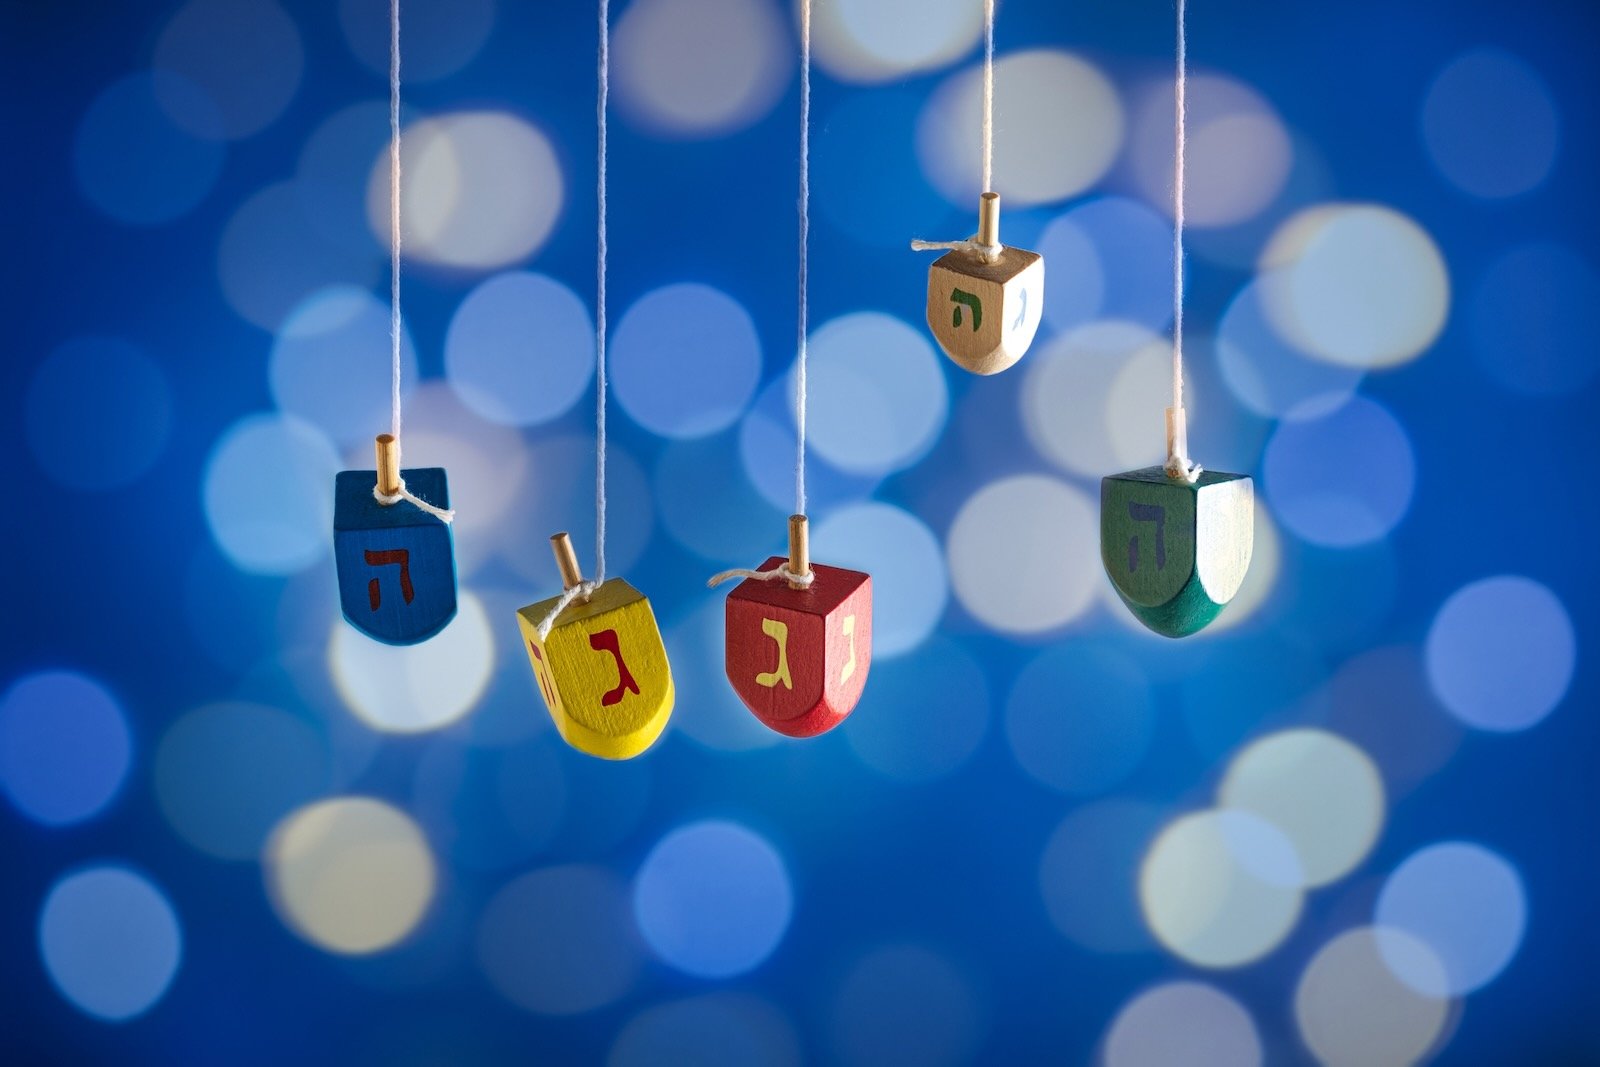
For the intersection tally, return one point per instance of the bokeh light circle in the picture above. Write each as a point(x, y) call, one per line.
point(1340, 478)
point(268, 494)
point(872, 41)
point(1110, 258)
point(1220, 888)
point(408, 689)
point(1466, 904)
point(520, 350)
point(1529, 320)
point(1081, 401)
point(440, 38)
point(559, 941)
point(946, 687)
point(713, 899)
point(275, 256)
point(1490, 125)
point(708, 712)
point(876, 393)
point(1190, 1023)
point(1080, 718)
point(685, 360)
point(699, 68)
point(132, 163)
point(1269, 375)
point(909, 586)
point(1088, 871)
point(245, 55)
point(1359, 285)
point(98, 413)
point(1061, 132)
point(64, 747)
point(905, 1004)
point(1353, 1012)
point(1024, 554)
point(1324, 793)
point(1237, 151)
point(330, 364)
point(713, 1030)
point(1501, 653)
point(225, 774)
point(483, 189)
point(110, 941)
point(351, 875)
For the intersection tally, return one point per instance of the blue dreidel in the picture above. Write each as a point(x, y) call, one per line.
point(395, 560)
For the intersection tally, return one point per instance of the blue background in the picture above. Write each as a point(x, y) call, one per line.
point(888, 886)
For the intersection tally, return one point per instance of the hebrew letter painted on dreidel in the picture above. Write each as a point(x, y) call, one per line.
point(601, 668)
point(396, 566)
point(984, 314)
point(1176, 552)
point(798, 655)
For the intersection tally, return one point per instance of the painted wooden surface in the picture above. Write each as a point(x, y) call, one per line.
point(1176, 552)
point(602, 670)
point(396, 564)
point(799, 658)
point(984, 315)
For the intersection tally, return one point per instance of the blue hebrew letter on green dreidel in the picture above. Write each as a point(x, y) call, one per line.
point(396, 563)
point(1176, 552)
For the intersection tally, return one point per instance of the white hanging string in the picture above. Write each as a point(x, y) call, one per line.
point(603, 77)
point(1178, 463)
point(985, 252)
point(585, 589)
point(782, 569)
point(401, 493)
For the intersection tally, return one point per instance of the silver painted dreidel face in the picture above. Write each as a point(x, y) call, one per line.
point(1176, 552)
point(984, 314)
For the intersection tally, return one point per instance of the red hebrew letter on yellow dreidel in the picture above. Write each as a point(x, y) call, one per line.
point(798, 655)
point(601, 668)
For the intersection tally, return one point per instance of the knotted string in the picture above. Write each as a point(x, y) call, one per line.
point(386, 499)
point(780, 571)
point(582, 591)
point(987, 253)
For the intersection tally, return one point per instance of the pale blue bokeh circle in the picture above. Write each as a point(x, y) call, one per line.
point(110, 942)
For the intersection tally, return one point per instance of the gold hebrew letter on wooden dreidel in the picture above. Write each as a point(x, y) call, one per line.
point(984, 314)
point(797, 654)
point(1176, 552)
point(602, 668)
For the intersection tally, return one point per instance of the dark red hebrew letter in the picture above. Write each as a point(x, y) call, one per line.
point(539, 669)
point(401, 556)
point(606, 641)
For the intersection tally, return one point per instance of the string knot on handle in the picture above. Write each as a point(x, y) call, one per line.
point(987, 253)
point(780, 571)
point(582, 591)
point(402, 493)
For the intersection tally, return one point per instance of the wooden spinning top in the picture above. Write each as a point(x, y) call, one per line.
point(984, 311)
point(395, 562)
point(601, 668)
point(798, 654)
point(1176, 551)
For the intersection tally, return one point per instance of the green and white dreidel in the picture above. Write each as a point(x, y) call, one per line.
point(1176, 539)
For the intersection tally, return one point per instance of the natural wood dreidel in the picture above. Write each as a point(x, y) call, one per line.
point(1176, 552)
point(984, 312)
point(798, 655)
point(395, 563)
point(601, 668)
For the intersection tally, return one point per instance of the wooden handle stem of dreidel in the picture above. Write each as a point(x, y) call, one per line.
point(989, 219)
point(388, 465)
point(1177, 433)
point(566, 561)
point(799, 549)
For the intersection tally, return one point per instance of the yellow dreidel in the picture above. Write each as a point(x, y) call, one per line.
point(985, 300)
point(600, 664)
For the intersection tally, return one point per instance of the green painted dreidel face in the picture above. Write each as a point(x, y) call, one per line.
point(1176, 552)
point(396, 563)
